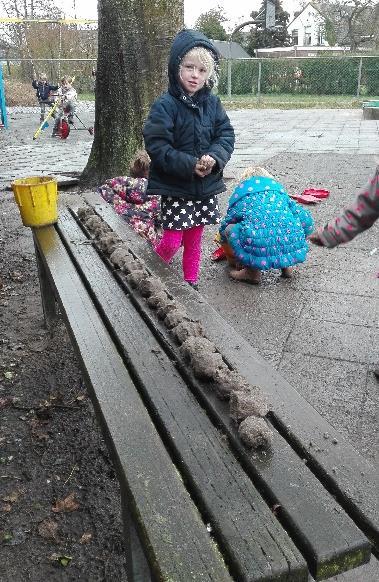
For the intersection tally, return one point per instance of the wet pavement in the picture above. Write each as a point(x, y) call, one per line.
point(320, 329)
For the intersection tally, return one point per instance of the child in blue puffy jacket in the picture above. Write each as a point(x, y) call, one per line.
point(263, 228)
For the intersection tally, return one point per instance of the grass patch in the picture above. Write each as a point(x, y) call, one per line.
point(86, 96)
point(289, 101)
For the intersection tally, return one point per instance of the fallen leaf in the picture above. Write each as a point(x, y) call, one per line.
point(48, 529)
point(86, 537)
point(8, 375)
point(6, 507)
point(276, 508)
point(67, 504)
point(16, 276)
point(12, 497)
point(62, 560)
point(80, 397)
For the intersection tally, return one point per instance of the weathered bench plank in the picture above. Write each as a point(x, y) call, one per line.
point(253, 542)
point(353, 481)
point(306, 506)
point(178, 546)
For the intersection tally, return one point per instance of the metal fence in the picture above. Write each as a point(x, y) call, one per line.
point(354, 75)
point(351, 76)
point(81, 69)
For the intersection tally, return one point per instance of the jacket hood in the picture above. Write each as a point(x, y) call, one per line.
point(254, 185)
point(184, 41)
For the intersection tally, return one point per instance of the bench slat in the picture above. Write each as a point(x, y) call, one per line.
point(253, 542)
point(346, 473)
point(177, 542)
point(306, 506)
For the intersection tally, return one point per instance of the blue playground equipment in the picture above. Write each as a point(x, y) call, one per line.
point(3, 109)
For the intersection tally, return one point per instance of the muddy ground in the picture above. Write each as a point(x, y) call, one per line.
point(59, 496)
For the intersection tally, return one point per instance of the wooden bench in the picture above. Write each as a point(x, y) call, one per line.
point(370, 109)
point(198, 505)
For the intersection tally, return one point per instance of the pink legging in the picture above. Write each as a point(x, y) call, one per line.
point(191, 239)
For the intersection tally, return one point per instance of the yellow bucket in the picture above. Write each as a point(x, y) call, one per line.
point(37, 200)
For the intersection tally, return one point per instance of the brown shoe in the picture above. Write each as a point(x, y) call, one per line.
point(287, 272)
point(246, 275)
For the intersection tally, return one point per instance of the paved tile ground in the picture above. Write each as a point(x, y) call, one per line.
point(320, 329)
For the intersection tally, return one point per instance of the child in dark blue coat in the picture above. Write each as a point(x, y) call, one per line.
point(189, 139)
point(264, 228)
point(43, 93)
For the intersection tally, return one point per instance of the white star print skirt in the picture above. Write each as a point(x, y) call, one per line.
point(180, 214)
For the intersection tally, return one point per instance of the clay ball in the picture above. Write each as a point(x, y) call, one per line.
point(119, 256)
point(249, 403)
point(101, 230)
point(165, 308)
point(93, 222)
point(255, 433)
point(135, 277)
point(150, 286)
point(109, 242)
point(226, 381)
point(130, 265)
point(174, 318)
point(154, 300)
point(84, 212)
point(194, 345)
point(186, 329)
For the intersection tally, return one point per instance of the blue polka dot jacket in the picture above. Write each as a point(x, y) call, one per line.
point(265, 228)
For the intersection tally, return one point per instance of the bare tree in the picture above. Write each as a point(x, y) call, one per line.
point(30, 40)
point(355, 22)
point(134, 39)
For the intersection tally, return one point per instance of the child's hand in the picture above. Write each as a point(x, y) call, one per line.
point(200, 169)
point(208, 161)
point(315, 239)
point(204, 166)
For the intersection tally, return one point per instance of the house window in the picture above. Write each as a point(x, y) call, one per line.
point(320, 37)
point(295, 37)
point(307, 36)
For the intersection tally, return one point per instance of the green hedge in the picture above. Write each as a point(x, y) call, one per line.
point(310, 76)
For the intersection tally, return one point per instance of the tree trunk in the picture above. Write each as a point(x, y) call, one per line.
point(134, 41)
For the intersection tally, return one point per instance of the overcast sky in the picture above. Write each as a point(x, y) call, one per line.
point(236, 10)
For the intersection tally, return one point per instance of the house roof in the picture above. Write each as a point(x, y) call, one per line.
point(302, 10)
point(230, 50)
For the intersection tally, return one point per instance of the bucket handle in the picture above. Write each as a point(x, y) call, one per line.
point(18, 199)
point(47, 195)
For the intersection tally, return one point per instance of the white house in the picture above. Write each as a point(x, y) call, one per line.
point(308, 28)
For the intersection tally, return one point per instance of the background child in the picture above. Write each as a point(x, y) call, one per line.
point(68, 96)
point(263, 228)
point(43, 90)
point(129, 199)
point(189, 139)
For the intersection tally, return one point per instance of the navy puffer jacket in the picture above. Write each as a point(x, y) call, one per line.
point(180, 129)
point(43, 90)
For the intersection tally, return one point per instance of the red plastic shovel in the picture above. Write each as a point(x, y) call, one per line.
point(305, 198)
point(320, 193)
